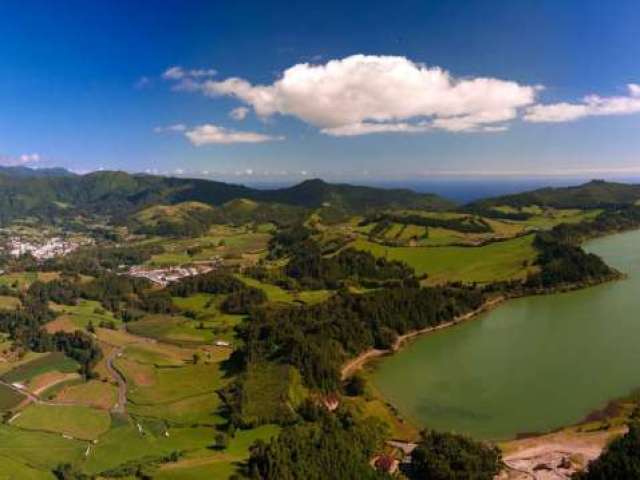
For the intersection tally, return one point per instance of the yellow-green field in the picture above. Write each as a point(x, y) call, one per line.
point(496, 261)
point(81, 315)
point(9, 303)
point(277, 294)
point(72, 420)
point(22, 280)
point(226, 242)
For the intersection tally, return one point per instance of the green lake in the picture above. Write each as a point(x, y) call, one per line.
point(531, 365)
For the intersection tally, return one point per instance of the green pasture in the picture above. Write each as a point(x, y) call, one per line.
point(170, 384)
point(171, 329)
point(493, 262)
point(11, 469)
point(126, 443)
point(198, 410)
point(85, 312)
point(277, 294)
point(42, 364)
point(76, 421)
point(217, 464)
point(9, 398)
point(40, 450)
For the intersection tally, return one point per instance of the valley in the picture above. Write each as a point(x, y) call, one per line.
point(200, 329)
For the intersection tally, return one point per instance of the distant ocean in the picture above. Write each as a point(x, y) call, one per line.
point(467, 189)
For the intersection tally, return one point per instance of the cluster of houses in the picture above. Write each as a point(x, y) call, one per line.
point(165, 276)
point(397, 453)
point(52, 247)
point(396, 458)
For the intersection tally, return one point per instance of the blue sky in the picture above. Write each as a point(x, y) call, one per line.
point(487, 87)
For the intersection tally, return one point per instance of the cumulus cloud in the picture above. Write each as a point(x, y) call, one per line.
point(591, 105)
point(208, 134)
point(369, 94)
point(239, 113)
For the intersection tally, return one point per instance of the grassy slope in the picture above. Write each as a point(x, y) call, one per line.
point(79, 422)
point(9, 398)
point(42, 364)
point(496, 261)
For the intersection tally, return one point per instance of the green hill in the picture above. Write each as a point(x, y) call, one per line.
point(120, 194)
point(594, 194)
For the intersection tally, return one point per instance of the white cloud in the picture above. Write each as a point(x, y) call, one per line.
point(239, 113)
point(179, 73)
point(29, 158)
point(591, 105)
point(208, 134)
point(366, 128)
point(368, 94)
point(24, 159)
point(178, 127)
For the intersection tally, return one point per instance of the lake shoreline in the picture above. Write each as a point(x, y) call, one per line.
point(350, 367)
point(357, 363)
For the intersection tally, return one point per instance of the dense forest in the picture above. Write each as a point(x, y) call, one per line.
point(313, 270)
point(318, 339)
point(322, 444)
point(594, 194)
point(119, 194)
point(445, 456)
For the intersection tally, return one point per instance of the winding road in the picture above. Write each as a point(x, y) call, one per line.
point(121, 404)
point(119, 407)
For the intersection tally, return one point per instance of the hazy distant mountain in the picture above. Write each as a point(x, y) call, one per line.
point(21, 171)
point(121, 193)
point(594, 194)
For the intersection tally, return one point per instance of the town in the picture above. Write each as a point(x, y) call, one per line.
point(49, 248)
point(165, 276)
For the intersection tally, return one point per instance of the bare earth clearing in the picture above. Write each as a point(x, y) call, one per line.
point(555, 456)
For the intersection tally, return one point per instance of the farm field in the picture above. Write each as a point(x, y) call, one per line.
point(493, 262)
point(221, 241)
point(22, 280)
point(171, 329)
point(42, 364)
point(9, 398)
point(39, 450)
point(127, 443)
point(80, 316)
point(277, 294)
point(94, 394)
point(153, 385)
point(75, 421)
point(218, 465)
point(9, 303)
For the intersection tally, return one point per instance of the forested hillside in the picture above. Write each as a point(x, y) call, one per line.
point(119, 193)
point(594, 194)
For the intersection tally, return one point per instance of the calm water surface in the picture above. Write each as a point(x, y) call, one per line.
point(531, 365)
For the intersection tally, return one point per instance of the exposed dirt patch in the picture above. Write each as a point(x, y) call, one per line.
point(141, 375)
point(39, 384)
point(63, 323)
point(555, 456)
